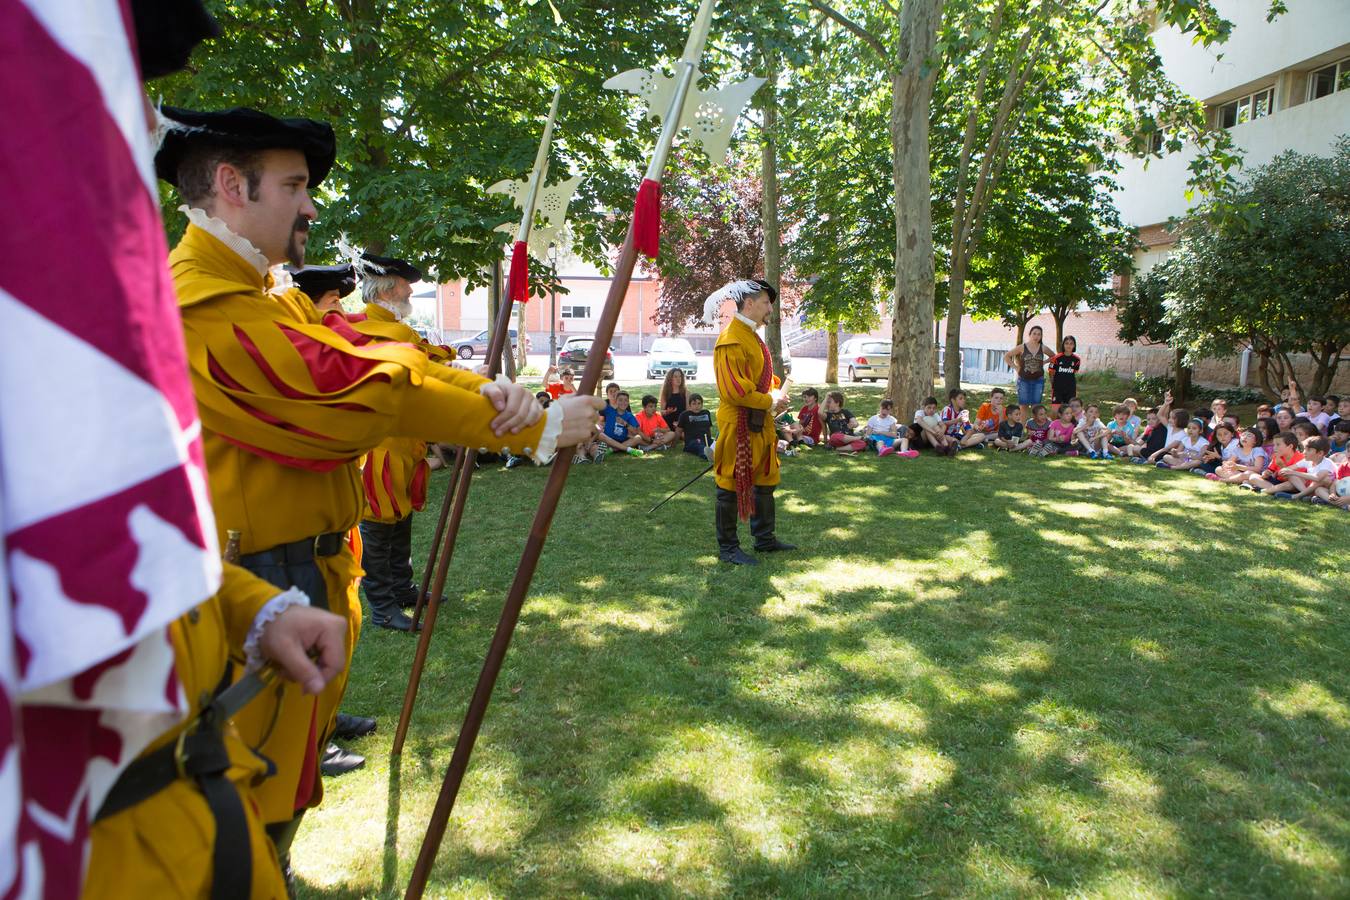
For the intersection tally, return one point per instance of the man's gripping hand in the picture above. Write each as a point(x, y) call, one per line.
point(289, 640)
point(516, 407)
point(578, 422)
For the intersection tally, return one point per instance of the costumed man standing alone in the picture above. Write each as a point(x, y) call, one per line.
point(745, 459)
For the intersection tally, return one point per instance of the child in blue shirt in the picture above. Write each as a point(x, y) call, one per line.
point(621, 432)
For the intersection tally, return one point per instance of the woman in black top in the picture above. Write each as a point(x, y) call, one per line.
point(674, 397)
point(1064, 371)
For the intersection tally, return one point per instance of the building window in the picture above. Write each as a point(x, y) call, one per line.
point(1244, 109)
point(993, 361)
point(576, 312)
point(1329, 80)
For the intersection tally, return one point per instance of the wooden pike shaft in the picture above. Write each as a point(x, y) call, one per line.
point(520, 586)
point(430, 569)
point(466, 461)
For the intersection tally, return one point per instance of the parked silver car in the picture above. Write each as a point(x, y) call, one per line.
point(867, 359)
point(671, 353)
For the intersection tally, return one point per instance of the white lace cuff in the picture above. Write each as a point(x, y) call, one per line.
point(548, 440)
point(273, 608)
point(500, 380)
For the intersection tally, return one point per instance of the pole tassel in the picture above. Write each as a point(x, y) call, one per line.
point(647, 218)
point(520, 273)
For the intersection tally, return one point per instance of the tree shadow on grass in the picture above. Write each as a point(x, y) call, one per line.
point(991, 720)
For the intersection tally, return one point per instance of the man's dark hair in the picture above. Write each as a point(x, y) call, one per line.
point(649, 399)
point(197, 171)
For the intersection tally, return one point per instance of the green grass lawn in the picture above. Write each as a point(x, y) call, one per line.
point(981, 676)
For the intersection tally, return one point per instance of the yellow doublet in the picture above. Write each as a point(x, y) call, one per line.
point(738, 363)
point(162, 847)
point(288, 406)
point(394, 474)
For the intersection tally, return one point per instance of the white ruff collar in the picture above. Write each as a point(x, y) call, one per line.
point(747, 321)
point(221, 232)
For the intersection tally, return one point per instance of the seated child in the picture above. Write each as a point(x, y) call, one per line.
point(1153, 438)
point(1271, 479)
point(1314, 471)
point(1342, 406)
point(1340, 436)
point(696, 424)
point(1318, 414)
point(1186, 451)
point(1305, 430)
point(1119, 439)
point(1038, 431)
point(1248, 459)
point(1339, 492)
point(927, 429)
point(656, 431)
point(1091, 433)
point(840, 425)
point(558, 383)
point(1012, 436)
point(883, 432)
point(1059, 439)
point(809, 417)
point(992, 414)
point(1133, 406)
point(956, 419)
point(789, 432)
point(1223, 443)
point(1076, 405)
point(621, 432)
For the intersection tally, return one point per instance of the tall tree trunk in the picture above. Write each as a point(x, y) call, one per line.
point(832, 355)
point(773, 250)
point(956, 310)
point(911, 371)
point(1060, 316)
point(1182, 390)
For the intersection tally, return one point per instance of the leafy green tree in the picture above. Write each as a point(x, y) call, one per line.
point(1142, 315)
point(1268, 268)
point(434, 101)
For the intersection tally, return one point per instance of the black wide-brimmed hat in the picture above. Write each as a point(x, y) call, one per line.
point(247, 129)
point(388, 265)
point(319, 280)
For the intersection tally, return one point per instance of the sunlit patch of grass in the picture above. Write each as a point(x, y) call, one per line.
point(1307, 698)
point(988, 676)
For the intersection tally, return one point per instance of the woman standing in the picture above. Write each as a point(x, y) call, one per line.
point(1028, 359)
point(1064, 372)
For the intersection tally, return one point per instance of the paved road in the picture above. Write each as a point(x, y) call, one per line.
point(631, 369)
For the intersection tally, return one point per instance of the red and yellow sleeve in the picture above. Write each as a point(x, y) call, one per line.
point(735, 384)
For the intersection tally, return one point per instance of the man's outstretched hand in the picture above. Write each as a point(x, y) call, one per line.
point(578, 417)
point(289, 640)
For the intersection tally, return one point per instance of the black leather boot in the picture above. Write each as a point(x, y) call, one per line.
point(763, 521)
point(728, 544)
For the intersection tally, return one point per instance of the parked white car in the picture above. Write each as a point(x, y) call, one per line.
point(867, 359)
point(671, 353)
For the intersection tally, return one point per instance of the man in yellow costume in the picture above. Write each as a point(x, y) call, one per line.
point(325, 286)
point(395, 473)
point(745, 459)
point(288, 405)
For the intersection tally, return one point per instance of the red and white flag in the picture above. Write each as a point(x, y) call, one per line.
point(105, 525)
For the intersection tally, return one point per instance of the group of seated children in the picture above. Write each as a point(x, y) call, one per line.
point(676, 418)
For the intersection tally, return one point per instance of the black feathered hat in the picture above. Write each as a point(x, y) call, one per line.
point(388, 265)
point(319, 280)
point(768, 289)
point(247, 129)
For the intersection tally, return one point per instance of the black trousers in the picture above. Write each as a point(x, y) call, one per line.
point(386, 555)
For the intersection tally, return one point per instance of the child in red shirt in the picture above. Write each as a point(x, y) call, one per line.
point(1286, 454)
point(808, 417)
